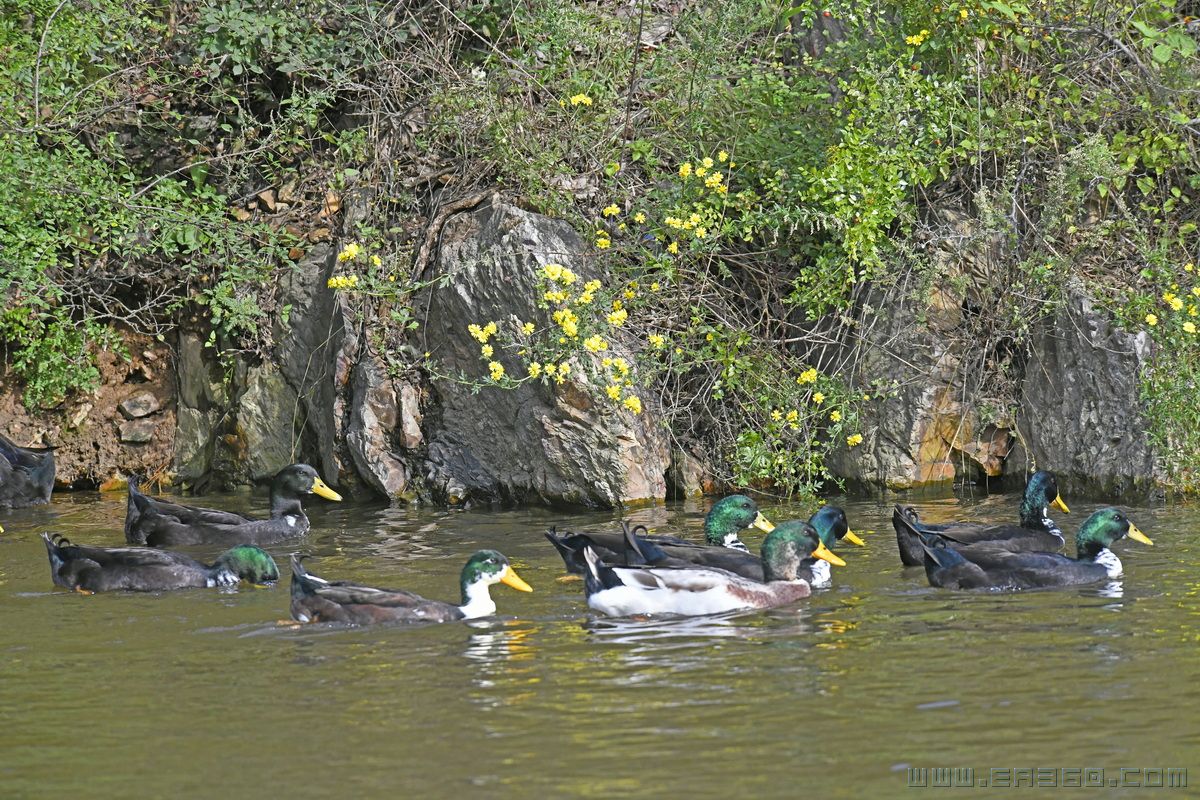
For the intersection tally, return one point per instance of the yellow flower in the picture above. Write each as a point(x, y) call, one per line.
point(1189, 327)
point(580, 100)
point(618, 317)
point(613, 391)
point(535, 369)
point(708, 337)
point(563, 369)
point(714, 180)
point(657, 341)
point(377, 261)
point(792, 415)
point(866, 397)
point(836, 416)
point(654, 287)
point(603, 243)
point(486, 351)
point(776, 415)
point(1176, 304)
point(595, 344)
point(708, 163)
point(808, 376)
point(673, 248)
point(527, 328)
point(550, 368)
point(639, 218)
point(818, 398)
point(685, 170)
point(497, 370)
point(701, 171)
point(611, 210)
point(1151, 320)
point(963, 13)
point(722, 156)
point(854, 440)
point(476, 332)
point(633, 403)
point(701, 233)
point(621, 366)
point(629, 294)
point(350, 253)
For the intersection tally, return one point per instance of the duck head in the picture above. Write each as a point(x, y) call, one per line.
point(245, 563)
point(831, 525)
point(294, 482)
point(728, 516)
point(482, 571)
point(1041, 494)
point(1101, 529)
point(786, 547)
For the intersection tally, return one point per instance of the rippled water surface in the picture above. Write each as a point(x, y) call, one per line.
point(200, 693)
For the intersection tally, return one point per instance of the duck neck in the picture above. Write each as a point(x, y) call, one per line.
point(477, 600)
point(1108, 559)
point(822, 573)
point(285, 506)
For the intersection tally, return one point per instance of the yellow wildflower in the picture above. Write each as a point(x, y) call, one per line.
point(657, 341)
point(550, 368)
point(776, 415)
point(350, 253)
point(621, 366)
point(854, 440)
point(722, 156)
point(527, 328)
point(714, 180)
point(963, 13)
point(835, 415)
point(595, 344)
point(701, 172)
point(633, 403)
point(1189, 327)
point(1151, 320)
point(685, 170)
point(486, 351)
point(580, 100)
point(497, 370)
point(701, 233)
point(639, 218)
point(808, 376)
point(377, 261)
point(603, 243)
point(792, 415)
point(708, 163)
point(611, 210)
point(618, 317)
point(654, 287)
point(1176, 304)
point(613, 391)
point(673, 248)
point(535, 369)
point(818, 398)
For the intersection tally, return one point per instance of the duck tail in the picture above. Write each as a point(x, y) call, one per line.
point(599, 576)
point(639, 550)
point(936, 551)
point(570, 548)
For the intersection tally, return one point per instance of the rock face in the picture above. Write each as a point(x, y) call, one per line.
point(536, 443)
point(270, 414)
point(374, 419)
point(1080, 409)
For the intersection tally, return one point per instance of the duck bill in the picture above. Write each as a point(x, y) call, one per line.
point(822, 552)
point(510, 578)
point(852, 538)
point(319, 487)
point(1058, 503)
point(762, 523)
point(1138, 536)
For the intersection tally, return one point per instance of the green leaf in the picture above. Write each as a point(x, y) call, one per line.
point(1162, 53)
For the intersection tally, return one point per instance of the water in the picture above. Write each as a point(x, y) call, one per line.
point(195, 693)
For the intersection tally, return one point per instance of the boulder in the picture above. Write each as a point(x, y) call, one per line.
point(137, 431)
point(142, 404)
point(547, 443)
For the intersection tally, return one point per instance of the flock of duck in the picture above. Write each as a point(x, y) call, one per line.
point(629, 573)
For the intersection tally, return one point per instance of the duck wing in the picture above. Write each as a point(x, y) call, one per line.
point(98, 569)
point(1023, 570)
point(315, 599)
point(145, 514)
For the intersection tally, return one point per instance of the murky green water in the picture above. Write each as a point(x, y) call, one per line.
point(201, 694)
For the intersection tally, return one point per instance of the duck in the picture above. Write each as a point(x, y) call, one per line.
point(157, 523)
point(26, 474)
point(318, 600)
point(985, 565)
point(722, 526)
point(635, 548)
point(146, 569)
point(694, 591)
point(1036, 531)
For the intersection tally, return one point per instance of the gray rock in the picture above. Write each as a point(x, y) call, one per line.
point(137, 431)
point(267, 423)
point(1081, 415)
point(142, 404)
point(541, 443)
point(194, 442)
point(374, 417)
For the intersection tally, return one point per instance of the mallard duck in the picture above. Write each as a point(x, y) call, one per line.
point(26, 475)
point(1036, 531)
point(154, 522)
point(318, 600)
point(145, 569)
point(693, 591)
point(635, 548)
point(985, 565)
